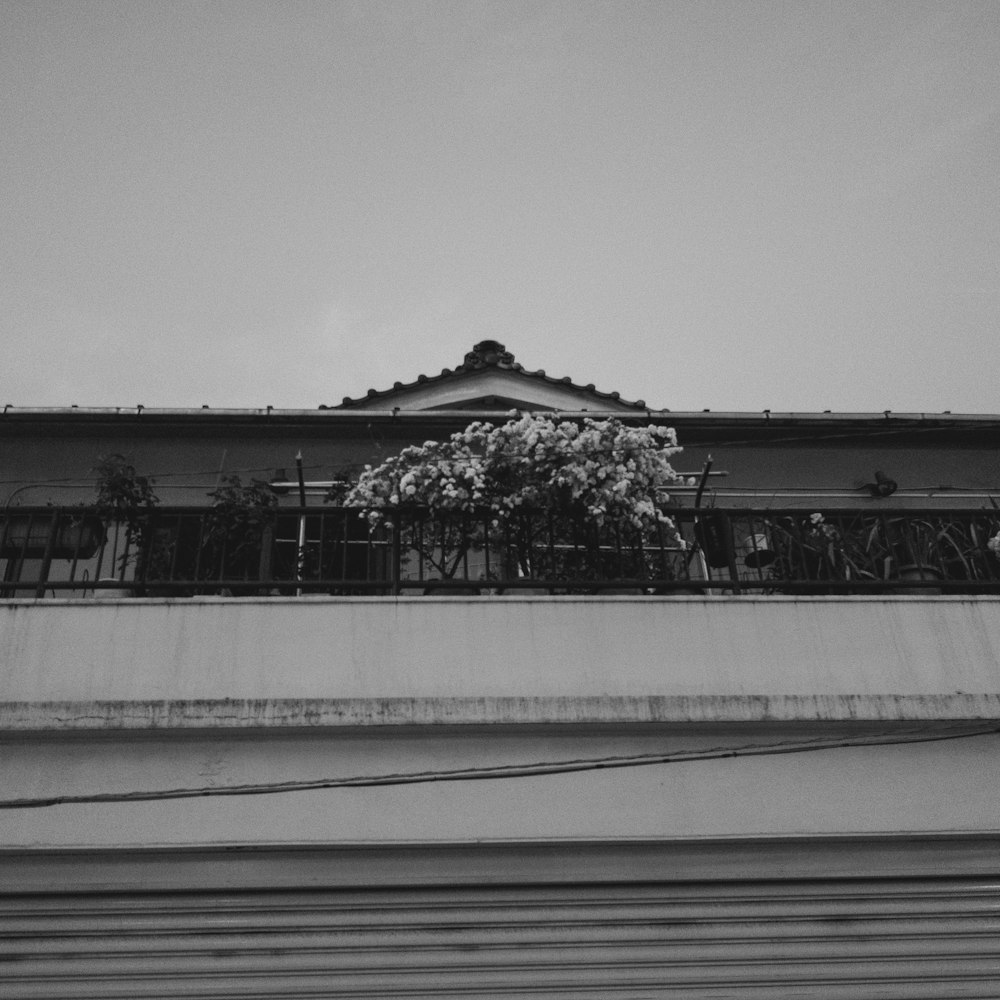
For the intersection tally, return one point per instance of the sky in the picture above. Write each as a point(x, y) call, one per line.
point(718, 204)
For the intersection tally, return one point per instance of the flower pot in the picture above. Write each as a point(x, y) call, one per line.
point(521, 592)
point(439, 589)
point(113, 588)
point(919, 572)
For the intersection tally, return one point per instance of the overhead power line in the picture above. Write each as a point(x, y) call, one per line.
point(502, 771)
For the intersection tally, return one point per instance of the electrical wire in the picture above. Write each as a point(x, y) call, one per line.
point(865, 432)
point(532, 770)
point(79, 481)
point(860, 432)
point(913, 492)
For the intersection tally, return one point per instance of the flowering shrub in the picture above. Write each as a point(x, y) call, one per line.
point(603, 468)
point(602, 472)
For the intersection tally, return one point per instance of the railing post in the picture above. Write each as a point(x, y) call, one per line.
point(300, 550)
point(395, 558)
point(734, 573)
point(266, 544)
point(144, 541)
point(50, 541)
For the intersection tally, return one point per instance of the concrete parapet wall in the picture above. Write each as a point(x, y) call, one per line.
point(247, 662)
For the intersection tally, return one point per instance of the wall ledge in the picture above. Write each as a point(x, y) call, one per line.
point(312, 714)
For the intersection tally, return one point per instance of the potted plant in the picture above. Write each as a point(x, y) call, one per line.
point(125, 502)
point(823, 549)
point(957, 549)
point(541, 496)
point(235, 540)
point(931, 549)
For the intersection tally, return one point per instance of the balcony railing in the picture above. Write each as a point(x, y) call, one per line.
point(183, 552)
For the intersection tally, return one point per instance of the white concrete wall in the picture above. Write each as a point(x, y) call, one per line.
point(846, 717)
point(350, 661)
point(787, 788)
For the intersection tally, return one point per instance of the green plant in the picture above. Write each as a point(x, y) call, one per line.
point(958, 549)
point(867, 547)
point(126, 499)
point(235, 528)
point(122, 493)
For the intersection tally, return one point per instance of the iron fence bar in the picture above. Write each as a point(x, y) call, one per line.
point(394, 566)
point(343, 548)
point(223, 557)
point(175, 548)
point(19, 569)
point(617, 534)
point(125, 556)
point(147, 532)
point(100, 558)
point(319, 520)
point(734, 573)
point(556, 584)
point(50, 542)
point(200, 547)
point(487, 572)
point(266, 552)
point(76, 553)
point(551, 545)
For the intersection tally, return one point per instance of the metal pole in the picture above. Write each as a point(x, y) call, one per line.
point(702, 562)
point(302, 522)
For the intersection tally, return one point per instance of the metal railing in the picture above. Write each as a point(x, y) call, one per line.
point(49, 551)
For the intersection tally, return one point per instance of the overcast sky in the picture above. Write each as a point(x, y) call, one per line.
point(731, 205)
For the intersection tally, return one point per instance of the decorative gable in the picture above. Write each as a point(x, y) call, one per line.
point(490, 379)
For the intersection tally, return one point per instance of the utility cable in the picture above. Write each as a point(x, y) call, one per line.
point(532, 770)
point(863, 432)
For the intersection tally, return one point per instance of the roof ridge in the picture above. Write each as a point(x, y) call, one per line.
point(485, 355)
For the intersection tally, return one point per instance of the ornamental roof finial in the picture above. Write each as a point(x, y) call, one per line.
point(488, 352)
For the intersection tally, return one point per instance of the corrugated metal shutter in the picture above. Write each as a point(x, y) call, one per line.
point(837, 939)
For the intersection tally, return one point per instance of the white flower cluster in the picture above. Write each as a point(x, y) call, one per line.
point(600, 470)
point(820, 530)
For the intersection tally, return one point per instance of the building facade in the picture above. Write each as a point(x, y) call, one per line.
point(763, 765)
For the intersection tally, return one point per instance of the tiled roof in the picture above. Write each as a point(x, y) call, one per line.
point(485, 355)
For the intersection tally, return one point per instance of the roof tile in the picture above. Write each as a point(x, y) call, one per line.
point(487, 354)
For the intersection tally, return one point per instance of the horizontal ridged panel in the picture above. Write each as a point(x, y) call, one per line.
point(875, 939)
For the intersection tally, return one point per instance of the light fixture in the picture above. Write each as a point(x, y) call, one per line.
point(883, 485)
point(759, 553)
